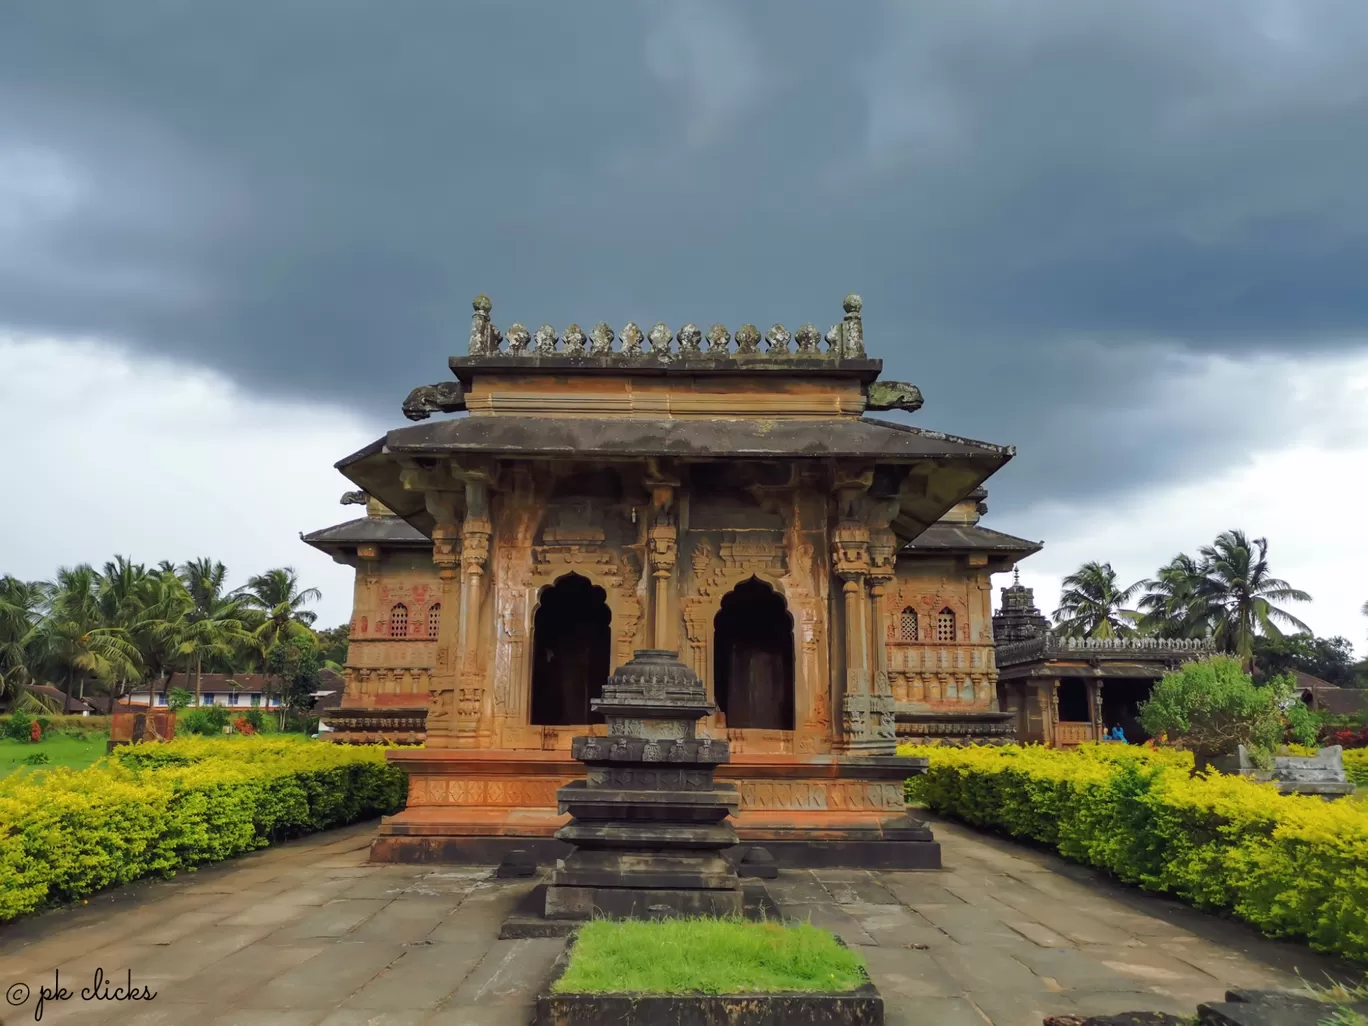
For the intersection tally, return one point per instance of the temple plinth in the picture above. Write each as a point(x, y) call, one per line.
point(820, 571)
point(649, 824)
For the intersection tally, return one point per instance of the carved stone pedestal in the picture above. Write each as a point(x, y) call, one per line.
point(649, 823)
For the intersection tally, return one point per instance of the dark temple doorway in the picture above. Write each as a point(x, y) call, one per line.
point(753, 658)
point(571, 652)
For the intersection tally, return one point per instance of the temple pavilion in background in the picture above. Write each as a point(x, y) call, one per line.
point(823, 572)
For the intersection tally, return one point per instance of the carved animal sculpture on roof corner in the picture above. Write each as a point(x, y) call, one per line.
point(357, 498)
point(425, 400)
point(894, 395)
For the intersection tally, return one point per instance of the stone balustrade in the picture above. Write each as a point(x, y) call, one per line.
point(845, 339)
point(1052, 645)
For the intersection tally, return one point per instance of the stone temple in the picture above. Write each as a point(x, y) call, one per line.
point(729, 499)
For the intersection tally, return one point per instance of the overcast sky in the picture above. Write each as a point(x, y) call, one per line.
point(1130, 239)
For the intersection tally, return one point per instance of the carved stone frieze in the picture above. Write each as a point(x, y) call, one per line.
point(511, 792)
point(802, 795)
point(868, 721)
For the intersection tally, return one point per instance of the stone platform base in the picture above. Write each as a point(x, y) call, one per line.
point(468, 806)
point(528, 919)
point(860, 1007)
point(585, 903)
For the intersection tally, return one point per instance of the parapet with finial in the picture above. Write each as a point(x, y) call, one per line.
point(547, 371)
point(845, 340)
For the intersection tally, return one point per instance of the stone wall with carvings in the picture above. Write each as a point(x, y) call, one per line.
point(780, 541)
point(539, 537)
point(940, 635)
point(390, 653)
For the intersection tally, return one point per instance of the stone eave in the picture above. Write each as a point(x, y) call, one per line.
point(341, 540)
point(939, 469)
point(959, 538)
point(618, 438)
point(1130, 669)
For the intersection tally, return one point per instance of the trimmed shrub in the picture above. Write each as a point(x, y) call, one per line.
point(206, 720)
point(1356, 766)
point(55, 722)
point(1292, 866)
point(19, 727)
point(156, 808)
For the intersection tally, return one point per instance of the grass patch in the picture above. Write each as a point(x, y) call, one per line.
point(60, 750)
point(708, 956)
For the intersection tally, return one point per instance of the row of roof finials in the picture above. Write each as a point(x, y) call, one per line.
point(845, 340)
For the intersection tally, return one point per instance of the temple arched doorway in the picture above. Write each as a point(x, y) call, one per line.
point(571, 652)
point(753, 658)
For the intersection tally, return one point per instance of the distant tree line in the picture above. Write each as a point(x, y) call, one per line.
point(1227, 593)
point(130, 627)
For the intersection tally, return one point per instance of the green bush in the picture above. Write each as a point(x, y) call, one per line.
point(160, 807)
point(204, 720)
point(55, 722)
point(1292, 866)
point(1356, 766)
point(1212, 706)
point(19, 727)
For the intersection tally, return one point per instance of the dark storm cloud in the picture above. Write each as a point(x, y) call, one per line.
point(1037, 200)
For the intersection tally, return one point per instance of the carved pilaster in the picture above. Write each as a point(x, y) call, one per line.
point(472, 714)
point(882, 552)
point(1052, 719)
point(441, 727)
point(662, 544)
point(663, 550)
point(518, 520)
point(850, 560)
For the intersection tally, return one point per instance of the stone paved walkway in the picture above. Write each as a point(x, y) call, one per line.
point(308, 933)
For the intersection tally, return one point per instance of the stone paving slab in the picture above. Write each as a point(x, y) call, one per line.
point(309, 934)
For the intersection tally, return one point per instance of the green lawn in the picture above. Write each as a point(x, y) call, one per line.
point(60, 750)
point(709, 956)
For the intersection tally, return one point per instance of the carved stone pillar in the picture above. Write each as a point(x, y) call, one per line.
point(445, 681)
point(882, 553)
point(663, 547)
point(1097, 710)
point(472, 727)
point(867, 719)
point(1054, 712)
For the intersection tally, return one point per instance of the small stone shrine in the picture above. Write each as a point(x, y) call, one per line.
point(650, 824)
point(574, 496)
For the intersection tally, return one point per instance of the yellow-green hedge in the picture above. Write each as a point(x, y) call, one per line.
point(1356, 765)
point(158, 808)
point(1289, 865)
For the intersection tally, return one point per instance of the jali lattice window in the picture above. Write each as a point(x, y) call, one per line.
point(399, 621)
point(945, 625)
point(907, 625)
point(434, 619)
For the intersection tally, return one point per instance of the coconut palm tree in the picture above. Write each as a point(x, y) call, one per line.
point(1092, 605)
point(74, 643)
point(1239, 590)
point(21, 610)
point(277, 596)
point(213, 626)
point(1174, 604)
